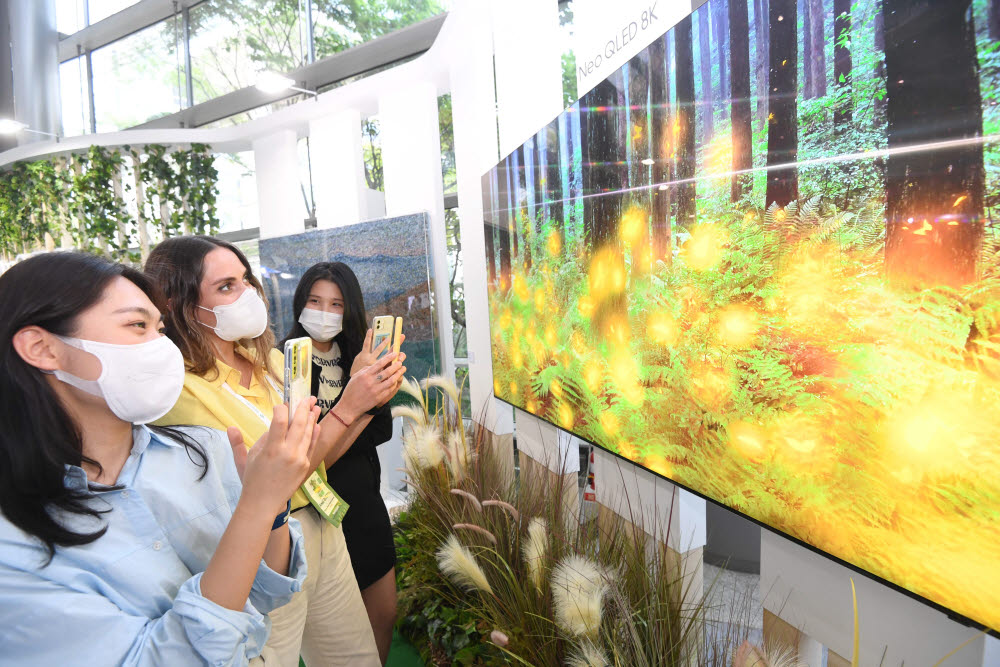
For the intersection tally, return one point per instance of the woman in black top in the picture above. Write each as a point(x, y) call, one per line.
point(329, 308)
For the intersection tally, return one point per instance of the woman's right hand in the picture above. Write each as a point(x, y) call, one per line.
point(371, 386)
point(279, 462)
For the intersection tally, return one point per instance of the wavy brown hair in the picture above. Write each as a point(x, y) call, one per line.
point(177, 266)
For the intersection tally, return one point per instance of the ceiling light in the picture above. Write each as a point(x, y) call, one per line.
point(270, 82)
point(11, 126)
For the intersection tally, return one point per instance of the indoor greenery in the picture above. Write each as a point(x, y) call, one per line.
point(107, 200)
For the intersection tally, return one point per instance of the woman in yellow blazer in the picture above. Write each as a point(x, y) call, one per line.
point(215, 314)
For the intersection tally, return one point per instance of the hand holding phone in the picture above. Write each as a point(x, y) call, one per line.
point(298, 372)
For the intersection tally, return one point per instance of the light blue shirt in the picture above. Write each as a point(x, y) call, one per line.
point(133, 597)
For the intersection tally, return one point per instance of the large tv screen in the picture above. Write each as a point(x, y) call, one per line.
point(761, 260)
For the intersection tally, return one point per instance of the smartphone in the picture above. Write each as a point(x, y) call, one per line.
point(298, 372)
point(387, 327)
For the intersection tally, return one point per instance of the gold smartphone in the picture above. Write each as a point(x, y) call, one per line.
point(298, 372)
point(387, 327)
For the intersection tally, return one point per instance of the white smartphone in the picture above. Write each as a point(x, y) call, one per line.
point(298, 372)
point(387, 327)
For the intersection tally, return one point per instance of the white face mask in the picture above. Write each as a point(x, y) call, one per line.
point(321, 325)
point(244, 318)
point(140, 383)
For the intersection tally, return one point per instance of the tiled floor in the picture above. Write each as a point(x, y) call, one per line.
point(732, 607)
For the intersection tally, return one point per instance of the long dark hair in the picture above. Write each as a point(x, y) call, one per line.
point(177, 266)
point(352, 336)
point(38, 438)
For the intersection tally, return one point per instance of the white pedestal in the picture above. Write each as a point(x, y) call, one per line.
point(812, 594)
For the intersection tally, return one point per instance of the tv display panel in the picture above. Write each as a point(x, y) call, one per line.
point(761, 260)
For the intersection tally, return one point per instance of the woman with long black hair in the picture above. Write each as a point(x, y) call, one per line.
point(329, 308)
point(125, 544)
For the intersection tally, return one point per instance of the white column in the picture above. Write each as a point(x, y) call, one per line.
point(473, 108)
point(411, 165)
point(813, 594)
point(279, 191)
point(338, 169)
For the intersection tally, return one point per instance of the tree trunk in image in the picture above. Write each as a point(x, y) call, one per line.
point(880, 48)
point(994, 19)
point(553, 176)
point(705, 53)
point(490, 221)
point(761, 31)
point(782, 130)
point(685, 144)
point(661, 129)
point(842, 113)
point(934, 213)
point(506, 219)
point(603, 171)
point(638, 92)
point(739, 72)
point(817, 64)
point(807, 49)
point(720, 28)
point(516, 195)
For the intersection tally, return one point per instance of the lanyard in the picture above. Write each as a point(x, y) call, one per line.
point(250, 406)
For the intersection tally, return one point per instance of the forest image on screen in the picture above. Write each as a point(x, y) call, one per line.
point(761, 260)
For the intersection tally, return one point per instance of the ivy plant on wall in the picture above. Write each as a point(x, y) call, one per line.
point(108, 201)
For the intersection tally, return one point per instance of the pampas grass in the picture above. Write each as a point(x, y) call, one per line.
point(773, 655)
point(410, 412)
point(459, 565)
point(578, 590)
point(534, 550)
point(458, 453)
point(422, 447)
point(587, 655)
point(410, 386)
point(446, 385)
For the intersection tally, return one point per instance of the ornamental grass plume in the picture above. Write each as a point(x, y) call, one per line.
point(772, 655)
point(587, 655)
point(534, 549)
point(459, 565)
point(410, 412)
point(477, 529)
point(578, 590)
point(499, 638)
point(422, 447)
point(458, 453)
point(468, 496)
point(510, 509)
point(410, 386)
point(445, 385)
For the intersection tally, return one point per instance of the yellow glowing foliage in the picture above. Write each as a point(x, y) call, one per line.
point(711, 385)
point(636, 133)
point(496, 388)
point(539, 299)
point(566, 359)
point(520, 287)
point(617, 330)
point(556, 389)
point(661, 327)
point(529, 335)
point(566, 416)
point(550, 335)
point(578, 344)
point(626, 449)
point(554, 243)
point(513, 388)
point(609, 423)
point(607, 274)
point(703, 249)
point(586, 307)
point(531, 406)
point(505, 319)
point(748, 439)
point(658, 464)
point(516, 357)
point(592, 376)
point(632, 227)
point(738, 326)
point(625, 375)
point(719, 157)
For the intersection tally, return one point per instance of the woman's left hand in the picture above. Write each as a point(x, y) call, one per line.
point(366, 357)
